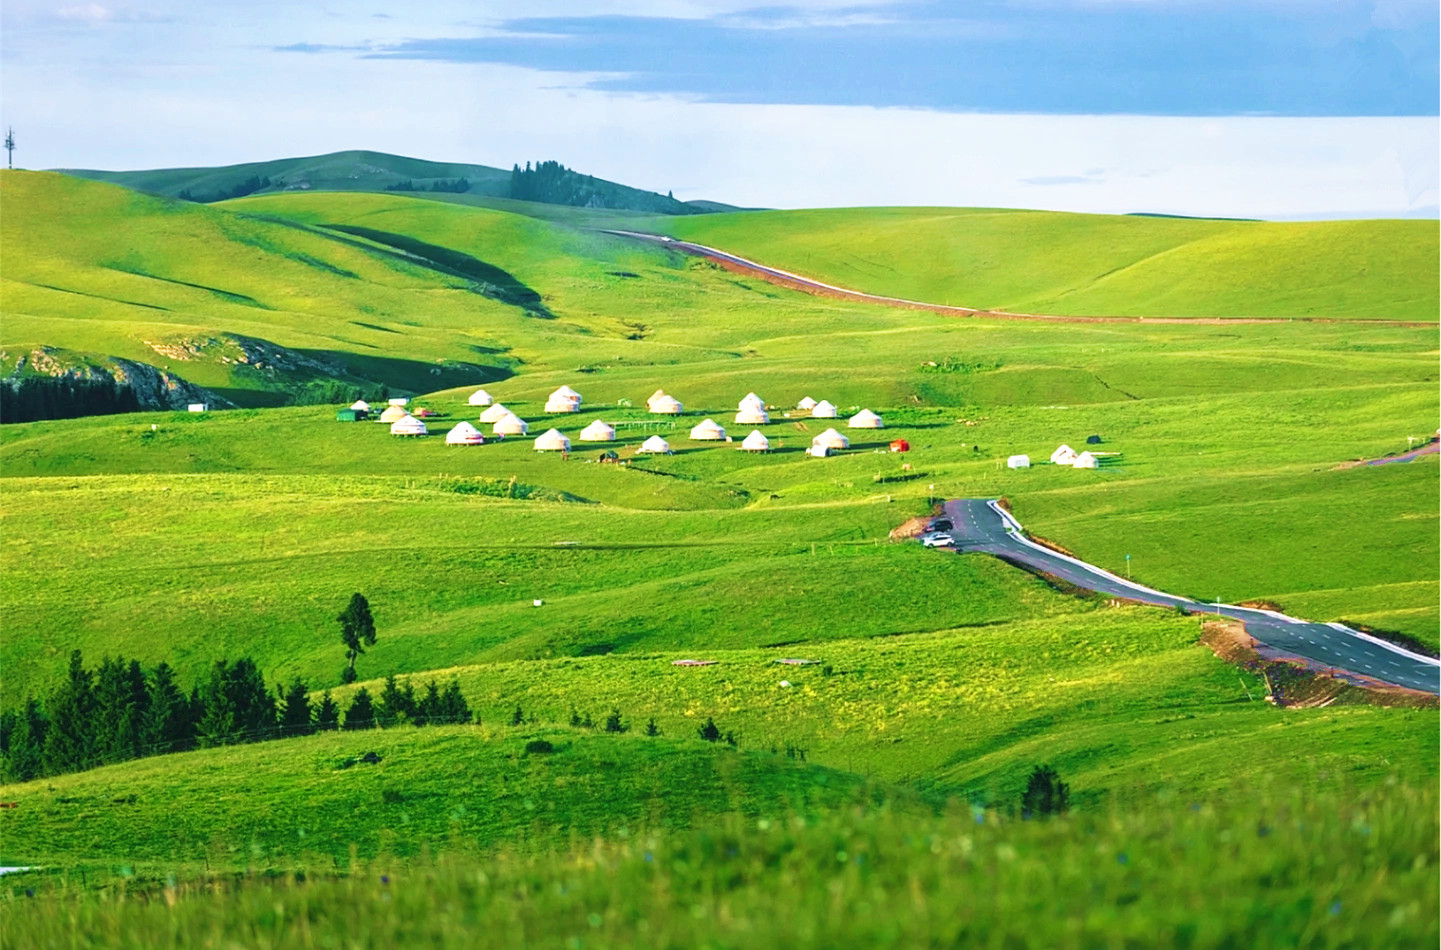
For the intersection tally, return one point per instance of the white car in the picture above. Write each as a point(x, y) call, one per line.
point(937, 539)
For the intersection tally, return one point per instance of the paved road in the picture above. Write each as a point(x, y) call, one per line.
point(981, 525)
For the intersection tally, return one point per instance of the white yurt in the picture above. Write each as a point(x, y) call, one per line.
point(480, 398)
point(393, 414)
point(823, 410)
point(552, 441)
point(819, 451)
point(752, 416)
point(494, 414)
point(1084, 460)
point(565, 392)
point(464, 434)
point(360, 405)
point(806, 403)
point(399, 401)
point(751, 401)
point(597, 431)
point(708, 431)
point(865, 419)
point(755, 442)
point(666, 406)
point(407, 425)
point(1065, 455)
point(554, 405)
point(512, 424)
point(655, 445)
point(832, 439)
point(654, 396)
point(1018, 461)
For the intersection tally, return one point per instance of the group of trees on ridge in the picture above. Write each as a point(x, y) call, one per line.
point(553, 183)
point(442, 185)
point(32, 398)
point(120, 711)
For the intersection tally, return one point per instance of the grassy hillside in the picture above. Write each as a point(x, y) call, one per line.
point(1097, 265)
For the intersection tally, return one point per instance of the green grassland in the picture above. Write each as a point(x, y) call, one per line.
point(1096, 265)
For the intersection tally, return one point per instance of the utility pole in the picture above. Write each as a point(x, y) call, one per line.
point(10, 148)
point(1128, 567)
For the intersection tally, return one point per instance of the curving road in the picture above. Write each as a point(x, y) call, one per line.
point(982, 525)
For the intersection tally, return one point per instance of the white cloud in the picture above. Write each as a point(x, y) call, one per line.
point(88, 13)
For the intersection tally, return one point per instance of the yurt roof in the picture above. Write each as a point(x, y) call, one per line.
point(824, 409)
point(393, 414)
point(655, 444)
point(1085, 460)
point(1063, 454)
point(865, 419)
point(565, 392)
point(552, 441)
point(361, 405)
point(597, 431)
point(708, 430)
point(480, 398)
point(756, 442)
point(495, 413)
point(464, 434)
point(511, 425)
point(668, 405)
point(751, 399)
point(832, 439)
point(408, 425)
point(752, 416)
point(806, 403)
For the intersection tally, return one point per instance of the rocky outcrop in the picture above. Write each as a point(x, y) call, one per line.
point(154, 388)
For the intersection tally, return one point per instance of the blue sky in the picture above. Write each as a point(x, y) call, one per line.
point(1271, 108)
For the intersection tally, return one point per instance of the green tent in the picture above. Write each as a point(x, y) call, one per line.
point(351, 415)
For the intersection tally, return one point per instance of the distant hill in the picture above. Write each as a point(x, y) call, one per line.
point(359, 170)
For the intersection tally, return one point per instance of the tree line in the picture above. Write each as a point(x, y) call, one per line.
point(120, 711)
point(458, 186)
point(239, 190)
point(32, 398)
point(553, 183)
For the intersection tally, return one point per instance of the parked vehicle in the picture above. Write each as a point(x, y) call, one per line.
point(937, 539)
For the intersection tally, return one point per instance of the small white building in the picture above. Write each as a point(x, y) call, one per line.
point(806, 403)
point(393, 414)
point(1018, 461)
point(823, 410)
point(196, 407)
point(494, 414)
point(865, 419)
point(655, 445)
point(708, 431)
point(1085, 460)
point(1065, 455)
point(360, 405)
point(752, 416)
point(666, 405)
point(819, 451)
point(552, 441)
point(464, 434)
point(480, 398)
point(511, 424)
point(752, 401)
point(755, 442)
point(408, 425)
point(832, 440)
point(598, 431)
point(399, 401)
point(554, 405)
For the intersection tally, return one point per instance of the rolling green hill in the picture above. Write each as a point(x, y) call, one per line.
point(1097, 265)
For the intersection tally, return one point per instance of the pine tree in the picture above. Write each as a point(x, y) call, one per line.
point(1045, 793)
point(327, 714)
point(69, 740)
point(24, 756)
point(613, 722)
point(651, 729)
point(122, 699)
point(238, 706)
point(166, 727)
point(361, 714)
point(357, 631)
point(395, 703)
point(295, 718)
point(517, 718)
point(454, 708)
point(428, 710)
point(709, 732)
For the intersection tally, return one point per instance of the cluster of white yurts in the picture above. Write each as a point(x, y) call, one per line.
point(752, 410)
point(1064, 455)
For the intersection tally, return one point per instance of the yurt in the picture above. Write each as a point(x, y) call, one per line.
point(752, 416)
point(806, 403)
point(407, 425)
point(1065, 455)
point(819, 451)
point(654, 396)
point(666, 406)
point(1018, 461)
point(755, 442)
point(751, 401)
point(598, 431)
point(511, 424)
point(832, 439)
point(561, 404)
point(360, 405)
point(900, 445)
point(394, 414)
point(494, 414)
point(823, 410)
point(464, 434)
point(480, 398)
point(865, 419)
point(566, 393)
point(552, 441)
point(708, 431)
point(1084, 460)
point(655, 445)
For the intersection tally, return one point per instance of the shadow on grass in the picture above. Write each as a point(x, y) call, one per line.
point(412, 375)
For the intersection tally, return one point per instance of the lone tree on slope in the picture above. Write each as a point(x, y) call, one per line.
point(357, 631)
point(1045, 793)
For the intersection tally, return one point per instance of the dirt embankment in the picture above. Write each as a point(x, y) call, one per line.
point(911, 528)
point(1293, 682)
point(1047, 543)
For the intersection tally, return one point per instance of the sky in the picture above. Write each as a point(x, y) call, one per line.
point(1279, 109)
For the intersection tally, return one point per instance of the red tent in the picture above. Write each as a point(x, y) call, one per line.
point(900, 445)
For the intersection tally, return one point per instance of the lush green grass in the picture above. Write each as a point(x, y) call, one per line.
point(1275, 869)
point(1101, 265)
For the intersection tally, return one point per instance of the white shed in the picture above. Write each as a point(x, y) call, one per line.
point(752, 416)
point(865, 419)
point(480, 398)
point(552, 441)
point(511, 424)
point(755, 442)
point(1065, 455)
point(407, 425)
point(464, 434)
point(832, 439)
point(399, 401)
point(1018, 461)
point(823, 410)
point(1084, 460)
point(655, 445)
point(598, 431)
point(708, 431)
